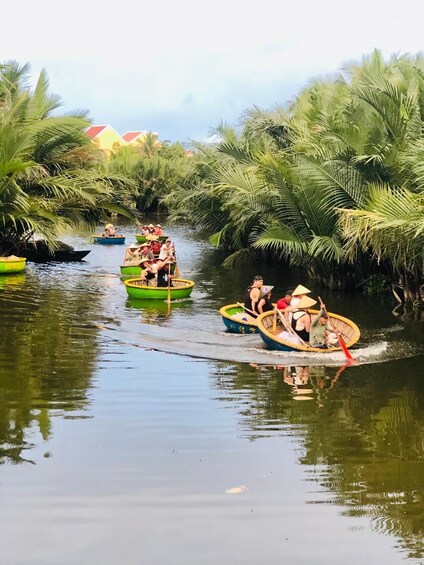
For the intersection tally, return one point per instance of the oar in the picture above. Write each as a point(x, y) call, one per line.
point(288, 327)
point(336, 331)
point(274, 321)
point(176, 270)
point(169, 285)
point(247, 309)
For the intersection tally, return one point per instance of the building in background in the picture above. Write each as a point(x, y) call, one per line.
point(106, 138)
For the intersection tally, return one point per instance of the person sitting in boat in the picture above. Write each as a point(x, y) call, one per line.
point(132, 255)
point(252, 296)
point(164, 276)
point(151, 229)
point(166, 250)
point(148, 270)
point(299, 292)
point(158, 230)
point(321, 334)
point(319, 331)
point(146, 250)
point(300, 320)
point(285, 302)
point(265, 304)
point(109, 231)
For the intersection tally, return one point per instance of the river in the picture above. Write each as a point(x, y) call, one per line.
point(142, 432)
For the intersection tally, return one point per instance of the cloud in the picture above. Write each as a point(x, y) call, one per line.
point(180, 68)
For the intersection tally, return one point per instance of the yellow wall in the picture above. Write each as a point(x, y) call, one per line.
point(108, 140)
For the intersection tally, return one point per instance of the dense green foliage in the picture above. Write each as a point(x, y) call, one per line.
point(333, 183)
point(155, 167)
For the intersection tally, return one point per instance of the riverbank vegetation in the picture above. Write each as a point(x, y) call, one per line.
point(51, 176)
point(331, 183)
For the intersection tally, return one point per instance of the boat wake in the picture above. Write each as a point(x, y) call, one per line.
point(223, 346)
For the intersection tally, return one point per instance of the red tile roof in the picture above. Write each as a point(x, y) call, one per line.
point(93, 131)
point(131, 135)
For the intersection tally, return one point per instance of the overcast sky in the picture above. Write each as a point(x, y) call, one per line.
point(179, 68)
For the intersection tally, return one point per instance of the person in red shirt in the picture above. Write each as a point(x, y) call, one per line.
point(284, 302)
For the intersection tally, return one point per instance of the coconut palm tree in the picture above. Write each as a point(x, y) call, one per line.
point(50, 177)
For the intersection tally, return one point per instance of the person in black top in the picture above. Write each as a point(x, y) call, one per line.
point(252, 296)
point(164, 276)
point(265, 304)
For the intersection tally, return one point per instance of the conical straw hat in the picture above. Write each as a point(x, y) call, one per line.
point(300, 289)
point(305, 302)
point(265, 290)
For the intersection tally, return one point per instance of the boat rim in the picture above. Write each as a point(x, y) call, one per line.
point(133, 284)
point(301, 347)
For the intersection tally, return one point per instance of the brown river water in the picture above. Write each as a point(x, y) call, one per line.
point(138, 432)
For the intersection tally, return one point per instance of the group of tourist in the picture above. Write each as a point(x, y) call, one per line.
point(151, 230)
point(299, 325)
point(157, 262)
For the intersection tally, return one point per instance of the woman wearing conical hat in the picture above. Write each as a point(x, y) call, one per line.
point(301, 319)
point(265, 304)
point(297, 294)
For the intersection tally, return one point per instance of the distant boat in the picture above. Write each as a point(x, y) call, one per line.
point(270, 333)
point(237, 321)
point(12, 264)
point(136, 288)
point(112, 240)
point(39, 252)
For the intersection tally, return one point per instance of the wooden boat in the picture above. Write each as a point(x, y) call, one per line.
point(39, 252)
point(115, 240)
point(265, 323)
point(12, 264)
point(136, 288)
point(237, 321)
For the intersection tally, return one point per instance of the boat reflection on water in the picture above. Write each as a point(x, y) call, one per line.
point(155, 311)
point(311, 382)
point(12, 280)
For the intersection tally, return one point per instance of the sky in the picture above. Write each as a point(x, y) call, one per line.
point(181, 68)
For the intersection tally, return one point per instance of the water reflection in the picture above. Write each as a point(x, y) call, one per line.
point(361, 435)
point(15, 279)
point(47, 355)
point(157, 311)
point(309, 382)
point(358, 434)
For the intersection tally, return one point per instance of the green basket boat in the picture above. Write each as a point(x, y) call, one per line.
point(136, 288)
point(131, 270)
point(145, 238)
point(12, 264)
